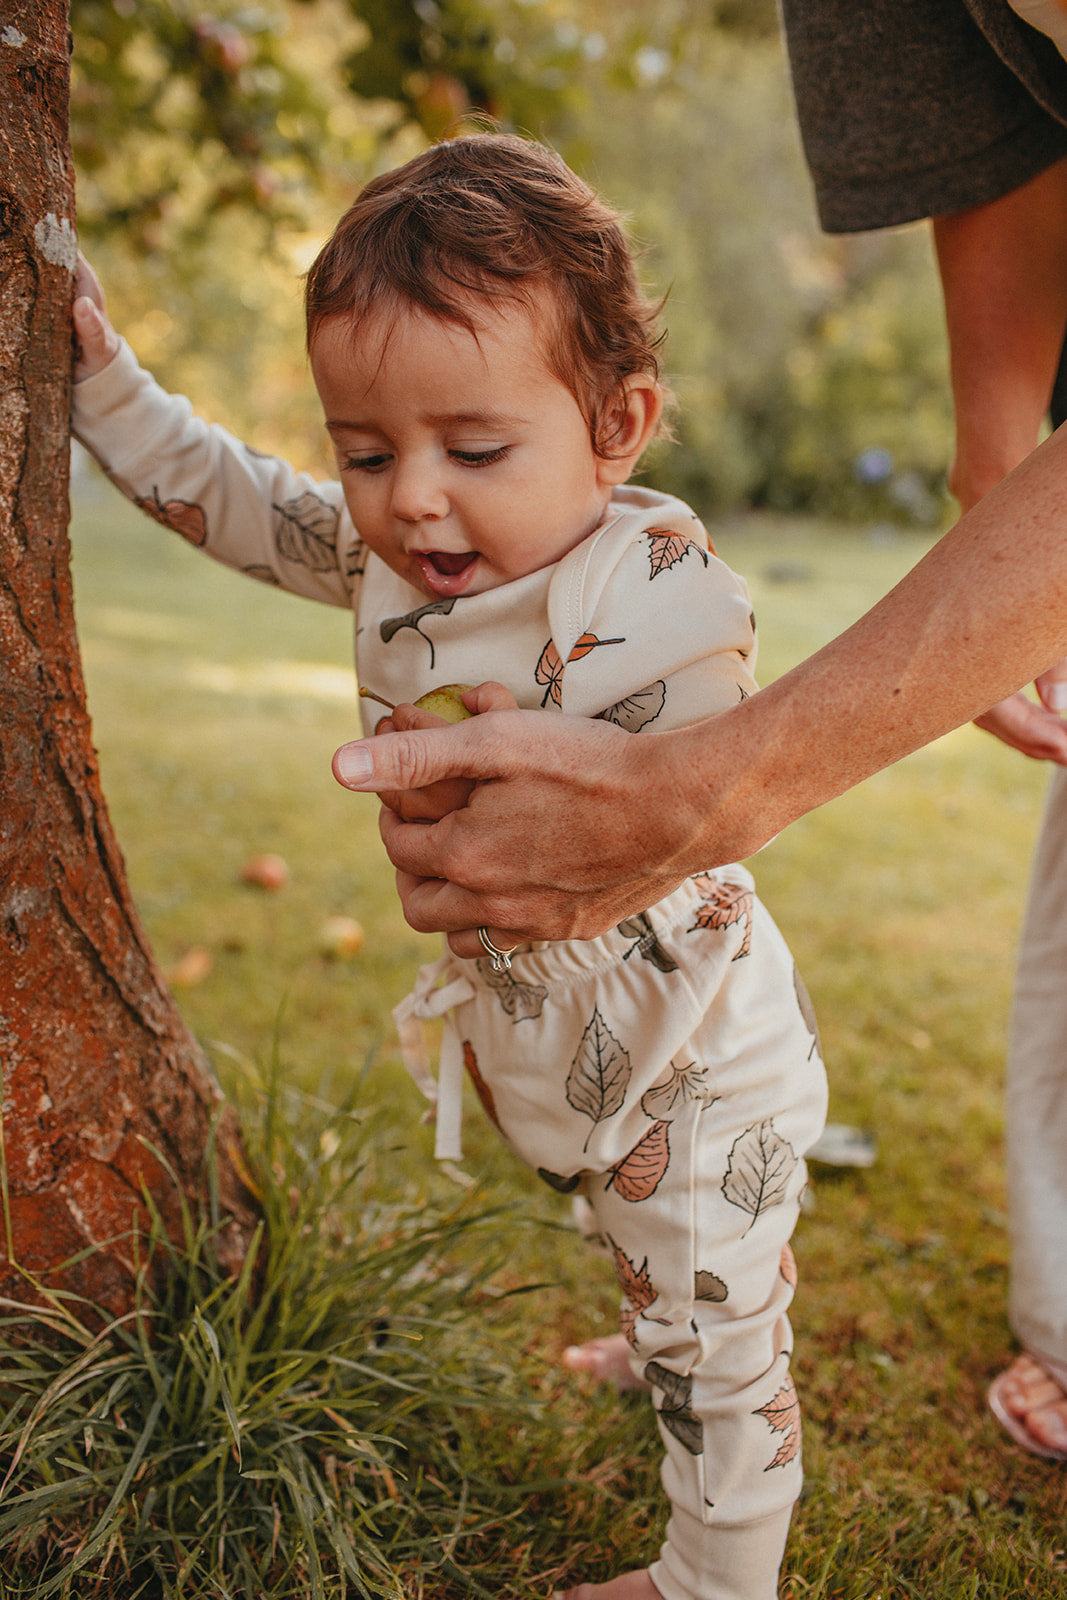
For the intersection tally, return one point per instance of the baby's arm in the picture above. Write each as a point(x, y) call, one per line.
point(250, 511)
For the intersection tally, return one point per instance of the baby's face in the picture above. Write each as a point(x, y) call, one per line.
point(466, 463)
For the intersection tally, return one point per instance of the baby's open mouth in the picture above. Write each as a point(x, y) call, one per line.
point(447, 573)
point(449, 563)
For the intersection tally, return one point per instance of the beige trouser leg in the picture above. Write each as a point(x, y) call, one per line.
point(1037, 1099)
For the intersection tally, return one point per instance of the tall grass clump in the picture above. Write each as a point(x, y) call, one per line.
point(304, 1430)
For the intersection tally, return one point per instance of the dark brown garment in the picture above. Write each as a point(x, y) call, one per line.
point(914, 108)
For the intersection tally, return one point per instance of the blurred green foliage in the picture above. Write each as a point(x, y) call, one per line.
point(216, 142)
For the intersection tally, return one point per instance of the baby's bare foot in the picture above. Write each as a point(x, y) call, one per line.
point(606, 1359)
point(627, 1586)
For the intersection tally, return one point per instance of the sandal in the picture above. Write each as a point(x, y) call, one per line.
point(1016, 1425)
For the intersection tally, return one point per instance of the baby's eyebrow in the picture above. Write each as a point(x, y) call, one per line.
point(474, 419)
point(444, 419)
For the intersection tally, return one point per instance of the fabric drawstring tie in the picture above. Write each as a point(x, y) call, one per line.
point(445, 1093)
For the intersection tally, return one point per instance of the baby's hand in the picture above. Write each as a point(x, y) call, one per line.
point(452, 794)
point(98, 343)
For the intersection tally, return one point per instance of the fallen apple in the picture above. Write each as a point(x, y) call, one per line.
point(265, 872)
point(341, 938)
point(189, 969)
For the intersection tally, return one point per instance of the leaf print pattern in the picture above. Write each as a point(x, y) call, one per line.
point(182, 516)
point(709, 1286)
point(263, 574)
point(599, 1075)
point(723, 905)
point(355, 561)
point(666, 549)
point(557, 1181)
point(647, 945)
point(676, 1413)
point(783, 1414)
point(587, 642)
point(807, 1011)
point(549, 669)
point(638, 1174)
point(520, 1000)
point(481, 1088)
point(684, 1085)
point(760, 1166)
point(634, 1282)
point(411, 619)
point(637, 1288)
point(305, 532)
point(637, 710)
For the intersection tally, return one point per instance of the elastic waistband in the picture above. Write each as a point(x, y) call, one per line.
point(573, 958)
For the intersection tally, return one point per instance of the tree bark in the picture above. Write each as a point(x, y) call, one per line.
point(96, 1061)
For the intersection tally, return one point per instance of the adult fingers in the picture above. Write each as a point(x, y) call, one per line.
point(1027, 727)
point(432, 905)
point(1052, 687)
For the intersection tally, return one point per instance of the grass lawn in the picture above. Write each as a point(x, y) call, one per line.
point(217, 704)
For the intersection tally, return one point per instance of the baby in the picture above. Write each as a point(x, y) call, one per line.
point(486, 362)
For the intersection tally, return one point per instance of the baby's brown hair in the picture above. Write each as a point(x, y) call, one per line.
point(495, 217)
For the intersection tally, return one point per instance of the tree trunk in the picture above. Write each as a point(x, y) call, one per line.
point(95, 1058)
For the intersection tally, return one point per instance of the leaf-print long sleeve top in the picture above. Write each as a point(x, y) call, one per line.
point(640, 624)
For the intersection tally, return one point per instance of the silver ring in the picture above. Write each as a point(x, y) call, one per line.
point(501, 958)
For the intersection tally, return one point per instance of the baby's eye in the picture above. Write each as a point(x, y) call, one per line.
point(368, 463)
point(480, 458)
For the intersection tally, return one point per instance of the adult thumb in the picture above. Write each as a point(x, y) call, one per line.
point(412, 760)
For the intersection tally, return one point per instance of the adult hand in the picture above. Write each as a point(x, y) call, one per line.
point(98, 343)
point(436, 800)
point(562, 836)
point(1038, 731)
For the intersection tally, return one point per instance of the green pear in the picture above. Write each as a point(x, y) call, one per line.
point(445, 702)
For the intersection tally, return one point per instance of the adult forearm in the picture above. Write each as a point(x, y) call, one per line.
point(984, 612)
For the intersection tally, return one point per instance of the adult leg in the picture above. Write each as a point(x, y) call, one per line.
point(1035, 1391)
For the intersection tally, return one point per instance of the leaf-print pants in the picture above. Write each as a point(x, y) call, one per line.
point(670, 1073)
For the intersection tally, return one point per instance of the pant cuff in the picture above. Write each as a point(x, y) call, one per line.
point(716, 1561)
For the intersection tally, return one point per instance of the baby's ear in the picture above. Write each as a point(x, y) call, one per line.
point(627, 424)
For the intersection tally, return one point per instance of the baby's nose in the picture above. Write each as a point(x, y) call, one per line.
point(418, 493)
